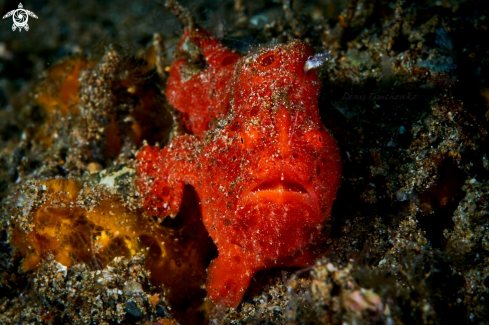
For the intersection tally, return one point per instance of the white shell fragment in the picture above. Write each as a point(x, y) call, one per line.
point(61, 269)
point(133, 287)
point(315, 61)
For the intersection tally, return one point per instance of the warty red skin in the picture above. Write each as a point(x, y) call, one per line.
point(266, 177)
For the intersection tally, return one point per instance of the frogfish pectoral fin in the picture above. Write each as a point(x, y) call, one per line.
point(229, 275)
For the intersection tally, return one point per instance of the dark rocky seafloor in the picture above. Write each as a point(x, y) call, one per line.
point(405, 93)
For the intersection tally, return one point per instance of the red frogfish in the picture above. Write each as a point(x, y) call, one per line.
point(265, 169)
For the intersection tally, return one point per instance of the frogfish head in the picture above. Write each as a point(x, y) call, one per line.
point(284, 166)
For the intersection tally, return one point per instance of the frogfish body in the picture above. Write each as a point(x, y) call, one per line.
point(265, 169)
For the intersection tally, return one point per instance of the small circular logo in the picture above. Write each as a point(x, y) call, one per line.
point(20, 17)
